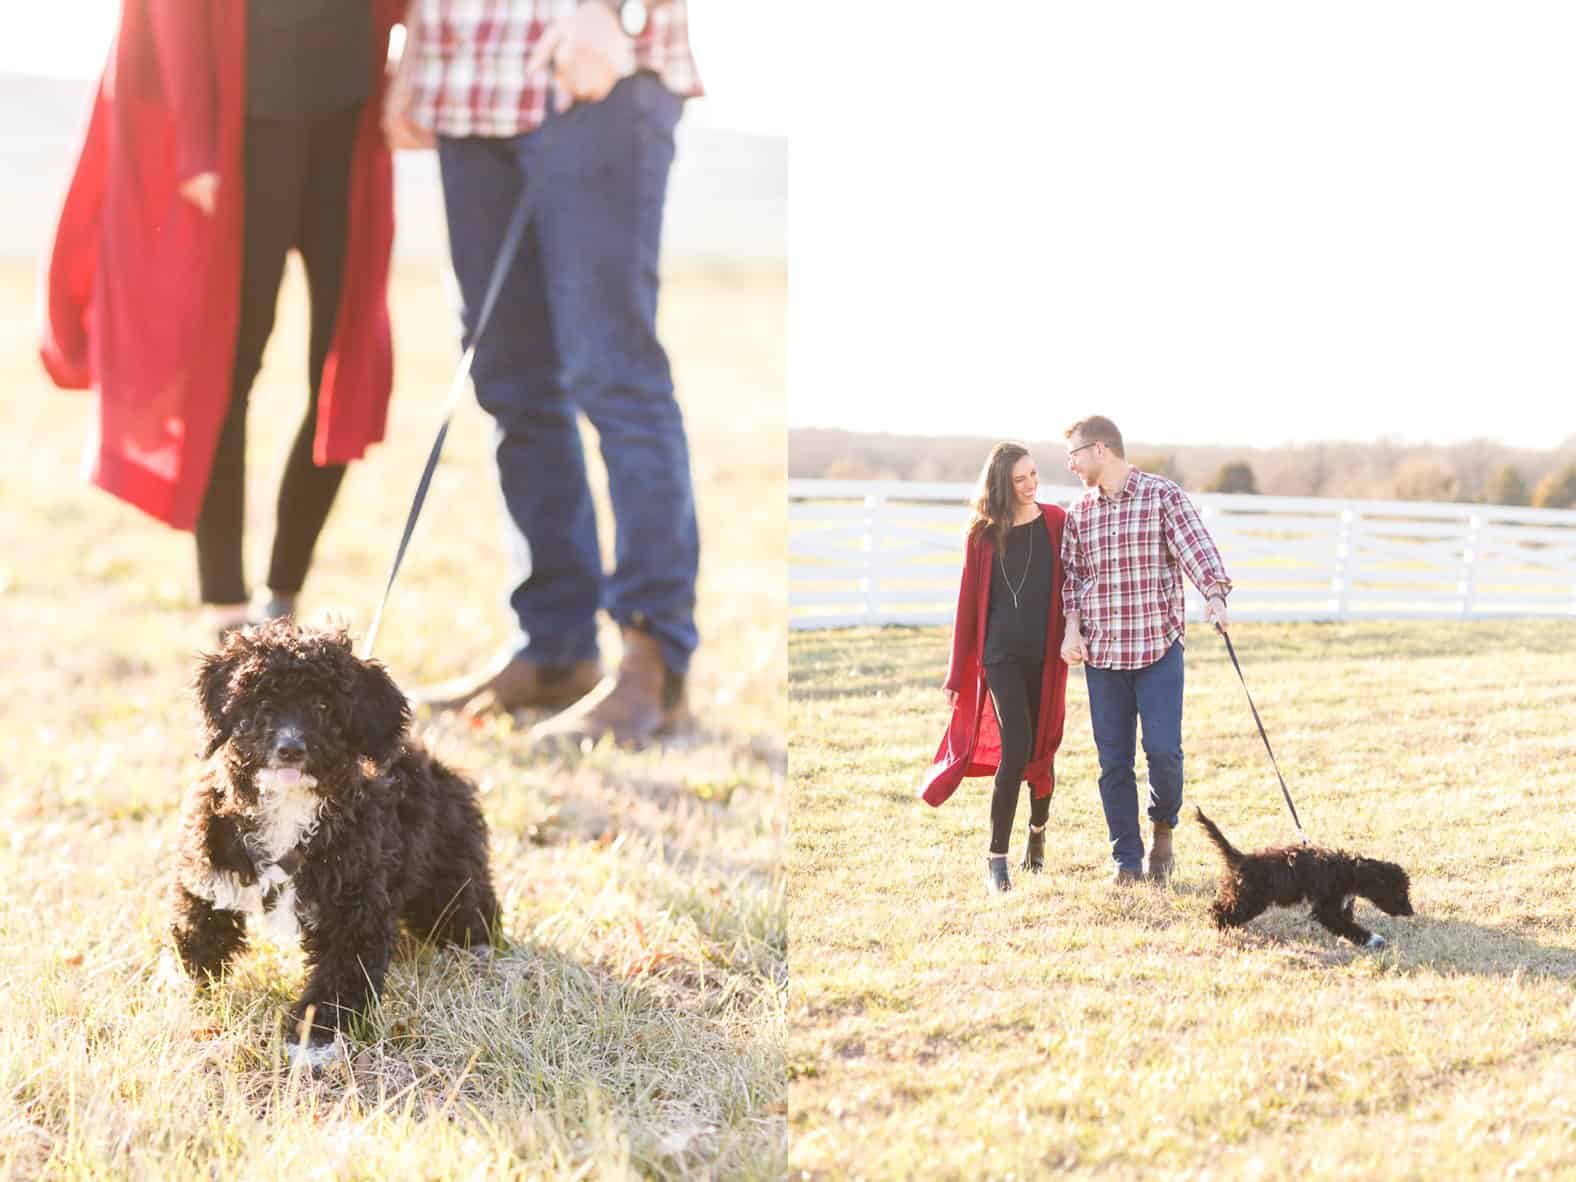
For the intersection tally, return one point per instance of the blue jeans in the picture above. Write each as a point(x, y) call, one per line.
point(574, 331)
point(1118, 699)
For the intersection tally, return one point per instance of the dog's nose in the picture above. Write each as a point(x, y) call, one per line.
point(290, 749)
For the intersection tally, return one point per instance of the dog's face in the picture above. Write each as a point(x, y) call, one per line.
point(1385, 885)
point(295, 708)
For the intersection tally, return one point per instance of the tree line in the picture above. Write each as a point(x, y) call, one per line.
point(1480, 471)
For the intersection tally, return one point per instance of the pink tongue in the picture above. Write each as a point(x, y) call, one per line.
point(288, 775)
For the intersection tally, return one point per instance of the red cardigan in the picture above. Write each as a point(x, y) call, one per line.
point(972, 743)
point(142, 292)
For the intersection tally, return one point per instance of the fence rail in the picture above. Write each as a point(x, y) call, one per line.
point(889, 552)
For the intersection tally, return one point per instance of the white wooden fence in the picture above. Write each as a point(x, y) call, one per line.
point(889, 552)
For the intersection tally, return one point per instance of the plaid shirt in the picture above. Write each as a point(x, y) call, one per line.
point(470, 74)
point(1123, 557)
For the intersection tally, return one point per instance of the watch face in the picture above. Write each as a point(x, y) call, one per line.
point(632, 14)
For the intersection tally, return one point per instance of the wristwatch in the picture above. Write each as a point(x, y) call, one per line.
point(632, 15)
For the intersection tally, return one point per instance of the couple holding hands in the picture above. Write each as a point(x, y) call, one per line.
point(1097, 585)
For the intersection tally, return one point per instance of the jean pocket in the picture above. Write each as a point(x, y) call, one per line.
point(653, 100)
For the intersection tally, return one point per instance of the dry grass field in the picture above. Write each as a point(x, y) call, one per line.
point(636, 1026)
point(1071, 1029)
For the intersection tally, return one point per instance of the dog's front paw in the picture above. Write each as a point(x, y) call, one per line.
point(171, 975)
point(314, 1056)
point(1375, 940)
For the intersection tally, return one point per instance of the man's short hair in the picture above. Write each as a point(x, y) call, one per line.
point(1098, 429)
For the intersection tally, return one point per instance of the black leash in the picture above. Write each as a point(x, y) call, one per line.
point(1226, 636)
point(506, 253)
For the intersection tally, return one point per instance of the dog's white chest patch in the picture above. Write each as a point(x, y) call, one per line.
point(287, 816)
point(286, 813)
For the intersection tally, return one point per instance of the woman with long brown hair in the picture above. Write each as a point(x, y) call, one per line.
point(1006, 646)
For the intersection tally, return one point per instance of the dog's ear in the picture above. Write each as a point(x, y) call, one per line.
point(379, 713)
point(212, 684)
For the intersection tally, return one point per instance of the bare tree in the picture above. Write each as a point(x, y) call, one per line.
point(1366, 469)
point(1235, 477)
point(1557, 490)
point(1424, 479)
point(1160, 465)
point(1505, 487)
point(1300, 472)
point(1473, 462)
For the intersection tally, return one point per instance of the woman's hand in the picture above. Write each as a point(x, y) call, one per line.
point(1074, 652)
point(952, 698)
point(588, 52)
point(201, 190)
point(400, 129)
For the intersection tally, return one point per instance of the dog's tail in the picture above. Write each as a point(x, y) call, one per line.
point(1227, 850)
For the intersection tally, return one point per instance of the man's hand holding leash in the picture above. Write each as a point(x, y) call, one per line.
point(1215, 613)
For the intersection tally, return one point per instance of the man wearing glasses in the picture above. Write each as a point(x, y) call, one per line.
point(1126, 543)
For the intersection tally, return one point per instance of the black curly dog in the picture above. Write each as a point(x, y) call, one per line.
point(324, 820)
point(1328, 879)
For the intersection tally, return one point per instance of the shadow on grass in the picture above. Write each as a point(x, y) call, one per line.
point(530, 1034)
point(1414, 943)
point(1481, 950)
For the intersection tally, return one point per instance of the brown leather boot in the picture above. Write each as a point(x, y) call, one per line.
point(642, 701)
point(1160, 856)
point(511, 683)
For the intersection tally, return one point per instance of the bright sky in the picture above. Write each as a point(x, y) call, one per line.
point(1228, 222)
point(1240, 223)
point(733, 40)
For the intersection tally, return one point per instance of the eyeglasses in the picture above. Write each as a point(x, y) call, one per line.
point(1072, 451)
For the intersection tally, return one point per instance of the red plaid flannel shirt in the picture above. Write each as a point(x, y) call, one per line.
point(470, 74)
point(1124, 557)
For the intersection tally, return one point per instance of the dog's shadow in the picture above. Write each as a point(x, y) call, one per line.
point(1416, 942)
point(485, 1028)
point(1462, 946)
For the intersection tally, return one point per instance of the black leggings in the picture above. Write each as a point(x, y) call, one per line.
point(297, 178)
point(1015, 693)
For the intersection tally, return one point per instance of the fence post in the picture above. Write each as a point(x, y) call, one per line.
point(870, 584)
point(1469, 555)
point(1343, 563)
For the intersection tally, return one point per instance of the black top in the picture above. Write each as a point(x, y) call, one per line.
point(307, 57)
point(1016, 631)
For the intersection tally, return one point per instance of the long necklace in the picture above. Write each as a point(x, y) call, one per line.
point(1011, 590)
